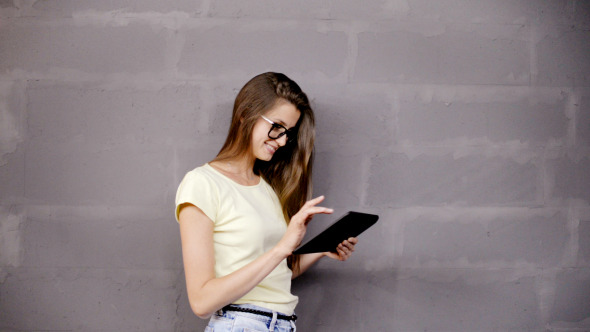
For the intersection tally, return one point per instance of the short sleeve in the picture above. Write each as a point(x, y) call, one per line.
point(197, 189)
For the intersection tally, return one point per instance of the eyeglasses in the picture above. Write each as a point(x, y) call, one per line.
point(277, 131)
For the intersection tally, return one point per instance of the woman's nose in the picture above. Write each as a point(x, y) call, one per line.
point(282, 140)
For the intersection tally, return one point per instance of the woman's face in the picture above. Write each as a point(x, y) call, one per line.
point(262, 146)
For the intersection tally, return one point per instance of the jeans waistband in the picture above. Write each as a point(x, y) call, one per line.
point(259, 312)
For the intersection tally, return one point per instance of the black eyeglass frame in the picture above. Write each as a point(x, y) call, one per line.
point(291, 133)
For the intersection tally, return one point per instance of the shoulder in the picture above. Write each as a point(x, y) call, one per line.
point(201, 173)
point(201, 178)
point(200, 188)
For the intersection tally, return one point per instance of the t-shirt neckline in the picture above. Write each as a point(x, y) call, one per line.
point(232, 181)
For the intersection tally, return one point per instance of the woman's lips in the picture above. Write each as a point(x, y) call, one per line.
point(270, 148)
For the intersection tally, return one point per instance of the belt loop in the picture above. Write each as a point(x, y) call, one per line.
point(271, 327)
point(293, 326)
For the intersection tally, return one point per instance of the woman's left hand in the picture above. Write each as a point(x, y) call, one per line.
point(344, 249)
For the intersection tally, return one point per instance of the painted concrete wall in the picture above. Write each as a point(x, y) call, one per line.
point(464, 124)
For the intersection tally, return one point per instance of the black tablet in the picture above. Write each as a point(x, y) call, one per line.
point(350, 225)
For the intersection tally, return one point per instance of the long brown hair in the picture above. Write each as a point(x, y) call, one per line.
point(289, 170)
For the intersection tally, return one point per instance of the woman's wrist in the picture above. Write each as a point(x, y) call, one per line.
point(281, 251)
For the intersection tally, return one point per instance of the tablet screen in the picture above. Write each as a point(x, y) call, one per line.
point(350, 225)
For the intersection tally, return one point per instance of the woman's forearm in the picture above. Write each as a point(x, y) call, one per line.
point(305, 262)
point(218, 292)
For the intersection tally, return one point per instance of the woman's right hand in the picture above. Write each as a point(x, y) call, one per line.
point(298, 224)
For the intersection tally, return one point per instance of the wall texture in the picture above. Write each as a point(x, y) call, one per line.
point(464, 124)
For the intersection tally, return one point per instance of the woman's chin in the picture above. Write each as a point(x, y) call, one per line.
point(265, 158)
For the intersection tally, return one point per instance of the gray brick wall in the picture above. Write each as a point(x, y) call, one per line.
point(464, 124)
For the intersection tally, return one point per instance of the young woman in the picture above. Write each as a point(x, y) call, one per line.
point(242, 214)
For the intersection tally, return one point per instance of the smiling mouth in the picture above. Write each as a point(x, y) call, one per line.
point(270, 148)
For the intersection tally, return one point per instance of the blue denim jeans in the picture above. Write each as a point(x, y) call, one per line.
point(235, 321)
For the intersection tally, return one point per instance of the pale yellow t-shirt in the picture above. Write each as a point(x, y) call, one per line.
point(248, 222)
